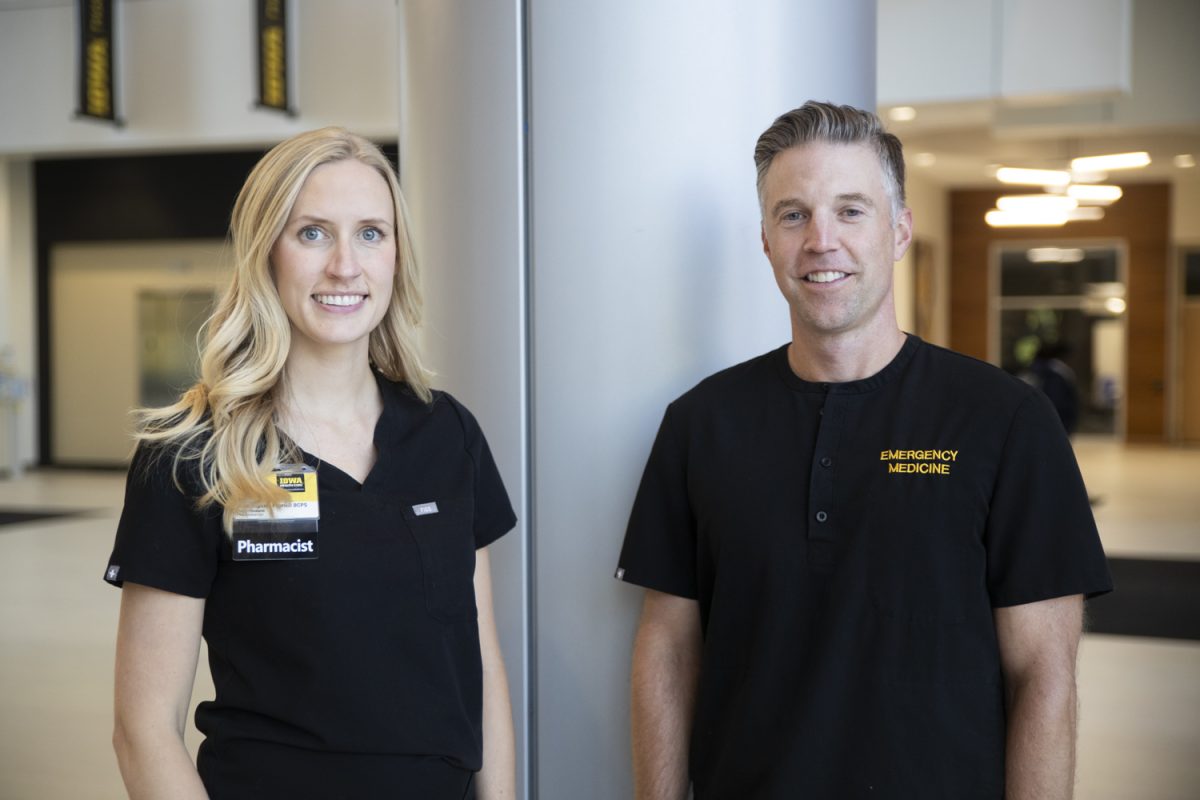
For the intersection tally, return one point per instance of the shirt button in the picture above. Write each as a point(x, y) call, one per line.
point(822, 516)
point(826, 461)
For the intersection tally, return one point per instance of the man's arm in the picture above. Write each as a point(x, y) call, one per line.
point(666, 668)
point(1038, 647)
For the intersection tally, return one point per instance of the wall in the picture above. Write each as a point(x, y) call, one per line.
point(94, 291)
point(187, 76)
point(928, 203)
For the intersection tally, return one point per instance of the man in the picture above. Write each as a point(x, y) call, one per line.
point(865, 556)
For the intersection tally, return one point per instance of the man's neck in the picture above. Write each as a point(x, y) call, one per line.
point(843, 357)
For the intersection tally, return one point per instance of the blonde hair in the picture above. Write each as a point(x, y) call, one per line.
point(226, 423)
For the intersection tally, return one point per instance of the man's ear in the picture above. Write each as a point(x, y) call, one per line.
point(902, 234)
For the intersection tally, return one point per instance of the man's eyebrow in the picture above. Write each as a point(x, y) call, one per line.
point(856, 197)
point(787, 202)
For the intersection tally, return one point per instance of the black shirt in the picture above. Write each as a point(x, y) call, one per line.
point(847, 544)
point(371, 649)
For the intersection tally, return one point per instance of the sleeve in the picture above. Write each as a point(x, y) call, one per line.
point(660, 542)
point(1041, 538)
point(162, 540)
point(494, 515)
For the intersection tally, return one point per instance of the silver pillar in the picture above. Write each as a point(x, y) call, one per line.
point(582, 188)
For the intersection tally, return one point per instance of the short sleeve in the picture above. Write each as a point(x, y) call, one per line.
point(162, 540)
point(1041, 538)
point(494, 515)
point(660, 542)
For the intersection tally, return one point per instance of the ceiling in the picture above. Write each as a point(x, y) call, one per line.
point(967, 143)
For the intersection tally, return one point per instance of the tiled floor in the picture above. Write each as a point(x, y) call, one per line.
point(1139, 726)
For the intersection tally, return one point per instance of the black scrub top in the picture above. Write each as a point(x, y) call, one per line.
point(357, 665)
point(848, 544)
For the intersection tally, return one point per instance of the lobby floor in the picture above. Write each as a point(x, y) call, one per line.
point(1139, 735)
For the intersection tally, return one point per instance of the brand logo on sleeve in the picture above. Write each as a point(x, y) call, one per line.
point(422, 509)
point(919, 462)
point(112, 573)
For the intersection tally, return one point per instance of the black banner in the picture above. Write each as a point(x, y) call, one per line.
point(97, 50)
point(272, 55)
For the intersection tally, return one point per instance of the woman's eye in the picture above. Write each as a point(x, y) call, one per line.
point(311, 233)
point(372, 234)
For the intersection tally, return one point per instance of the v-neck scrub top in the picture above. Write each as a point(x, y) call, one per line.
point(847, 544)
point(344, 675)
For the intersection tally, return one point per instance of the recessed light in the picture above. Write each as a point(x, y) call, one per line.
point(1185, 161)
point(924, 159)
point(902, 114)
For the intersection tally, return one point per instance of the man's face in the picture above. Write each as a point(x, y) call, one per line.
point(828, 232)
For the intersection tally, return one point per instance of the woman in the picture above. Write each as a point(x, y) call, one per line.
point(318, 513)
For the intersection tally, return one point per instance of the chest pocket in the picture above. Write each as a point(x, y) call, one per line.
point(446, 542)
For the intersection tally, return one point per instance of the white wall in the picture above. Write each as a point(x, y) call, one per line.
point(957, 50)
point(187, 76)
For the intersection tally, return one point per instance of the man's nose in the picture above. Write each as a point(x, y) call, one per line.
point(820, 234)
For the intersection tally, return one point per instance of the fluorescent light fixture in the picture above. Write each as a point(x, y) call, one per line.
point(1110, 162)
point(1085, 214)
point(924, 159)
point(1022, 219)
point(1036, 202)
point(902, 114)
point(1114, 305)
point(1088, 177)
point(1184, 161)
point(1093, 193)
point(1054, 255)
point(1033, 177)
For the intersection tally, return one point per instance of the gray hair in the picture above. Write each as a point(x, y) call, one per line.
point(826, 122)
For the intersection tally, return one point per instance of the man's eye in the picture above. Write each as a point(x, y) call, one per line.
point(791, 216)
point(852, 212)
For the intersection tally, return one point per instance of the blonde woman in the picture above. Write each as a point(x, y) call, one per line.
point(319, 514)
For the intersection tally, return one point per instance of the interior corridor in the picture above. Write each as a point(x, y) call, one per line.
point(1139, 731)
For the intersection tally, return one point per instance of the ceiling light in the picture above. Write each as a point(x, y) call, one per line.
point(1085, 214)
point(1110, 162)
point(924, 159)
point(902, 114)
point(1036, 202)
point(1094, 193)
point(1022, 219)
point(1185, 161)
point(1078, 176)
point(1033, 177)
point(1115, 305)
point(1055, 255)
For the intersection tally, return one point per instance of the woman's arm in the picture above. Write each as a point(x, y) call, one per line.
point(158, 643)
point(497, 780)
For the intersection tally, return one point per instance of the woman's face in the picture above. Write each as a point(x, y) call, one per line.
point(335, 260)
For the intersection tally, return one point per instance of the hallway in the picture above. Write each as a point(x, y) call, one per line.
point(1139, 734)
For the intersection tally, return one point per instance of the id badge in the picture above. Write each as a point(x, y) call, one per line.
point(284, 532)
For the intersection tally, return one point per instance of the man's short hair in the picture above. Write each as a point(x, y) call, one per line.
point(826, 122)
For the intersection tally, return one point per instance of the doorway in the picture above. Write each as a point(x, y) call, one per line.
point(1060, 324)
